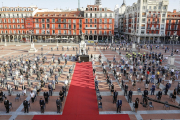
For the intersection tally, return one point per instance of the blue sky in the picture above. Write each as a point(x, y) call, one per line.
point(52, 4)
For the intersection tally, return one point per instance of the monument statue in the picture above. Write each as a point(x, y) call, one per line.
point(32, 49)
point(82, 46)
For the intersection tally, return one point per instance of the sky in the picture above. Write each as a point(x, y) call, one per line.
point(64, 4)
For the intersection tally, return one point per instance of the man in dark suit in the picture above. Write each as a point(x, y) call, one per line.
point(1, 95)
point(46, 96)
point(159, 95)
point(115, 96)
point(64, 90)
point(25, 103)
point(56, 78)
point(125, 89)
point(42, 103)
point(118, 105)
point(167, 88)
point(130, 96)
point(58, 104)
point(6, 104)
point(50, 89)
point(145, 95)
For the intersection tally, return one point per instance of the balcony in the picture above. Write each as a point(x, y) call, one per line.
point(148, 28)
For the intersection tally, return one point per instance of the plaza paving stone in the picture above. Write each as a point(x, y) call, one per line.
point(107, 100)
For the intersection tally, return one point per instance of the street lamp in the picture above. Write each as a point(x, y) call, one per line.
point(173, 38)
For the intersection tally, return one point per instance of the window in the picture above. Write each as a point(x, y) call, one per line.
point(100, 20)
point(169, 21)
point(47, 20)
point(86, 25)
point(159, 7)
point(86, 15)
point(90, 20)
point(90, 15)
point(149, 7)
point(53, 26)
point(154, 7)
point(90, 25)
point(53, 20)
point(86, 20)
point(100, 14)
point(95, 21)
point(110, 20)
point(37, 31)
point(47, 26)
point(59, 26)
point(74, 21)
point(176, 21)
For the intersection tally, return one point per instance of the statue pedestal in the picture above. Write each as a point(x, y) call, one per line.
point(133, 49)
point(5, 44)
point(171, 60)
point(82, 48)
point(32, 49)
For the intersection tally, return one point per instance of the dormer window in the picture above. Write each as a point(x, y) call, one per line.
point(74, 15)
point(91, 9)
point(86, 9)
point(95, 9)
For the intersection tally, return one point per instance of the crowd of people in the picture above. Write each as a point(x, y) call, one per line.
point(20, 71)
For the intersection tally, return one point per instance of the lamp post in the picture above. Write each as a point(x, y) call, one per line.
point(173, 38)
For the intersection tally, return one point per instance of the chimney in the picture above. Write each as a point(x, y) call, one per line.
point(174, 11)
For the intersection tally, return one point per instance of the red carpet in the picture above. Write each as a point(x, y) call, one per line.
point(81, 102)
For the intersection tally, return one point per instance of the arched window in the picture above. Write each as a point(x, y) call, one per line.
point(90, 15)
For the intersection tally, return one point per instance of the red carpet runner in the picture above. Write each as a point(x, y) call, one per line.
point(81, 102)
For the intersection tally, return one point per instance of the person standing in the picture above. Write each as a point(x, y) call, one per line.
point(136, 104)
point(145, 95)
point(42, 103)
point(61, 95)
point(46, 96)
point(174, 95)
point(58, 104)
point(50, 89)
point(119, 105)
point(159, 95)
point(6, 104)
point(153, 89)
point(115, 96)
point(125, 89)
point(167, 88)
point(32, 96)
point(130, 96)
point(25, 103)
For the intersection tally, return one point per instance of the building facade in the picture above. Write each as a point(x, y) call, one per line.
point(31, 23)
point(172, 25)
point(119, 16)
point(99, 23)
point(13, 24)
point(145, 21)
